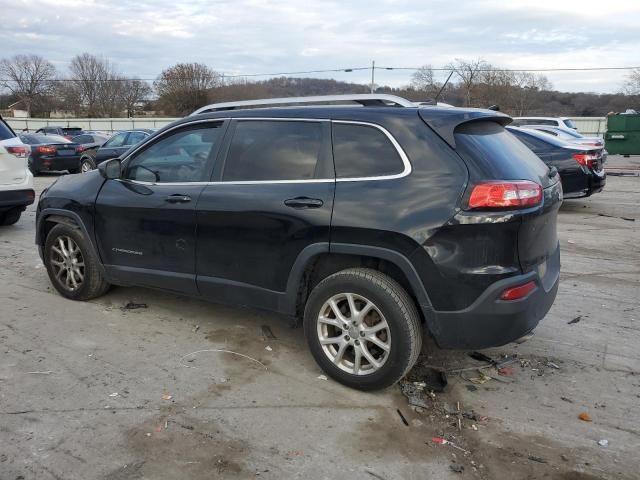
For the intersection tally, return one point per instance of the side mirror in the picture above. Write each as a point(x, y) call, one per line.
point(111, 169)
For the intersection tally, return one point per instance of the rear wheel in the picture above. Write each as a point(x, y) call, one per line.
point(10, 217)
point(72, 264)
point(363, 329)
point(86, 165)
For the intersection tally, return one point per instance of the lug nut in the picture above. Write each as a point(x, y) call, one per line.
point(357, 342)
point(346, 337)
point(362, 334)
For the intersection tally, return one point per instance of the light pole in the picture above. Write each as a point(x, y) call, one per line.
point(373, 70)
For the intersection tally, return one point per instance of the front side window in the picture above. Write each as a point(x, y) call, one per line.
point(273, 150)
point(116, 141)
point(179, 156)
point(363, 151)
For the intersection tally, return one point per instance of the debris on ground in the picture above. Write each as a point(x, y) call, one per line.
point(218, 350)
point(196, 328)
point(505, 371)
point(114, 394)
point(471, 388)
point(444, 441)
point(432, 378)
point(321, 377)
point(456, 467)
point(565, 399)
point(404, 420)
point(415, 394)
point(603, 443)
point(167, 397)
point(268, 348)
point(533, 458)
point(375, 475)
point(585, 417)
point(574, 320)
point(267, 333)
point(135, 306)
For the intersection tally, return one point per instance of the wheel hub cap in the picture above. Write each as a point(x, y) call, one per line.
point(354, 333)
point(67, 263)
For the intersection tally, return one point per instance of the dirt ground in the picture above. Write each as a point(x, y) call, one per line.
point(96, 391)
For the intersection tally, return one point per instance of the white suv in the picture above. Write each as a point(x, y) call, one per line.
point(560, 122)
point(16, 181)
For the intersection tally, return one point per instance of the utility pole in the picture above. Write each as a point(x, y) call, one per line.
point(373, 70)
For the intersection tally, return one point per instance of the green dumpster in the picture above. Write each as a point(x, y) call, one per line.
point(623, 134)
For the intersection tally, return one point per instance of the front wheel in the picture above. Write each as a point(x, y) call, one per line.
point(72, 264)
point(362, 328)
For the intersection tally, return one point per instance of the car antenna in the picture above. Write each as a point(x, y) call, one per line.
point(435, 100)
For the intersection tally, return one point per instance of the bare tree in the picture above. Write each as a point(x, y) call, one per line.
point(632, 83)
point(423, 80)
point(184, 87)
point(27, 77)
point(468, 72)
point(527, 87)
point(134, 92)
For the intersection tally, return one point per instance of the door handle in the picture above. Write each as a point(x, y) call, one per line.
point(178, 198)
point(303, 203)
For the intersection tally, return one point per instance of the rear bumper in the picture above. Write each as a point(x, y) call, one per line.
point(16, 198)
point(595, 182)
point(491, 322)
point(56, 163)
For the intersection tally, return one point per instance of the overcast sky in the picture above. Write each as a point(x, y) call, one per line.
point(262, 36)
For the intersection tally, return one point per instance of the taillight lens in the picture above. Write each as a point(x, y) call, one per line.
point(519, 193)
point(20, 152)
point(586, 159)
point(46, 149)
point(80, 148)
point(516, 293)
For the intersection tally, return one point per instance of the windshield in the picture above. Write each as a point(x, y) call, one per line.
point(35, 139)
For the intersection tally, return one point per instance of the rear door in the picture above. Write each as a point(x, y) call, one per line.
point(146, 221)
point(112, 148)
point(273, 196)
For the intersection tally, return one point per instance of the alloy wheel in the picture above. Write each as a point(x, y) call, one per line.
point(67, 262)
point(354, 333)
point(85, 167)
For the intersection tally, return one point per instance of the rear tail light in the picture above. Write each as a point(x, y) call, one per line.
point(20, 152)
point(516, 293)
point(80, 148)
point(586, 159)
point(46, 149)
point(520, 193)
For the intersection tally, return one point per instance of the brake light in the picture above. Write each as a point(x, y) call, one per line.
point(585, 159)
point(520, 193)
point(80, 148)
point(46, 149)
point(21, 152)
point(516, 293)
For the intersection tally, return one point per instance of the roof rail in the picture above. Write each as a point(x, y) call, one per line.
point(363, 99)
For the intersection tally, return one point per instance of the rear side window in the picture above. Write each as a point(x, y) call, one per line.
point(497, 154)
point(135, 138)
point(273, 150)
point(569, 123)
point(363, 151)
point(5, 131)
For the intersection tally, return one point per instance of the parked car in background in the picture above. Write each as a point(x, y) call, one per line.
point(560, 122)
point(580, 167)
point(365, 223)
point(571, 136)
point(16, 181)
point(88, 143)
point(51, 153)
point(112, 148)
point(66, 132)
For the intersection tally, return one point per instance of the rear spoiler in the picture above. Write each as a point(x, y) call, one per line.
point(445, 121)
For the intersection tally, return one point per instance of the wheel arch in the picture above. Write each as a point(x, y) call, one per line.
point(318, 261)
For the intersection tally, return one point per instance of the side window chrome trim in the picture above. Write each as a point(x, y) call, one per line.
point(403, 156)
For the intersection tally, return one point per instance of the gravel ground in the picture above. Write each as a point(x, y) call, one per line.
point(92, 390)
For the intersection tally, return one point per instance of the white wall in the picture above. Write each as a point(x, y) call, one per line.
point(586, 125)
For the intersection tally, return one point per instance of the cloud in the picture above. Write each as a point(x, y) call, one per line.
point(254, 36)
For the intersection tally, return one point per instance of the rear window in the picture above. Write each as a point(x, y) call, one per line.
point(363, 151)
point(5, 131)
point(497, 154)
point(569, 123)
point(72, 130)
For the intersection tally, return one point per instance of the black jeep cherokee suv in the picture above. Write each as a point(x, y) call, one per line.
point(373, 224)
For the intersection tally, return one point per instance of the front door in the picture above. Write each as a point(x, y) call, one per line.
point(146, 221)
point(273, 197)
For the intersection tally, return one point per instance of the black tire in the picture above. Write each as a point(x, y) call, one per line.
point(34, 172)
point(91, 165)
point(10, 217)
point(93, 284)
point(396, 307)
